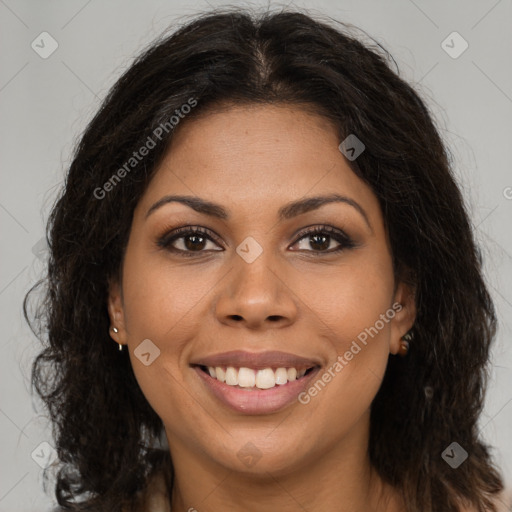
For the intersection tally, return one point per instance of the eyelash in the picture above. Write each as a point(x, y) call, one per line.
point(166, 240)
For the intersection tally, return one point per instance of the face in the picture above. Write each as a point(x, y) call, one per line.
point(290, 289)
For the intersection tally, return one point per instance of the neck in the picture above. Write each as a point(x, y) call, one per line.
point(339, 480)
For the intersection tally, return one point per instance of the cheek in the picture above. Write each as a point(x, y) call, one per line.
point(159, 305)
point(353, 305)
point(350, 298)
point(161, 297)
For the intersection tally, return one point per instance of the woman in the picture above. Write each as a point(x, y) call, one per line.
point(262, 217)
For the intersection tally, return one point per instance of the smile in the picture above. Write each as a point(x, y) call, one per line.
point(249, 378)
point(255, 383)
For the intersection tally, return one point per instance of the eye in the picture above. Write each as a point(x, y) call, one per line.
point(187, 240)
point(321, 239)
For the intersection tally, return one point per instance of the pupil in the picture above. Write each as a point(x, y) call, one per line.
point(194, 245)
point(323, 244)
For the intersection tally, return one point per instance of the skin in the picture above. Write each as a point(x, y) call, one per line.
point(253, 160)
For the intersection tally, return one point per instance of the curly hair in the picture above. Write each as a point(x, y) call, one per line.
point(105, 431)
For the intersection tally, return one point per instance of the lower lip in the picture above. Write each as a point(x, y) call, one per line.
point(257, 401)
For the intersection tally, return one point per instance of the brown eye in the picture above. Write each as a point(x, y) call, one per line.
point(193, 242)
point(320, 242)
point(187, 241)
point(323, 239)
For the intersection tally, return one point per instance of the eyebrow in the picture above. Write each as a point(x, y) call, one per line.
point(288, 211)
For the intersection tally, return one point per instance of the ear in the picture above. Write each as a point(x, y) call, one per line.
point(116, 312)
point(404, 305)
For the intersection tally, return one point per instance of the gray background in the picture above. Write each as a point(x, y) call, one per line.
point(46, 103)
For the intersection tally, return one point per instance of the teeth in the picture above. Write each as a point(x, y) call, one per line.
point(231, 376)
point(246, 378)
point(281, 376)
point(249, 378)
point(220, 374)
point(265, 379)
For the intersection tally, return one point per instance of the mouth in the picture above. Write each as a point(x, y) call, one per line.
point(252, 379)
point(253, 385)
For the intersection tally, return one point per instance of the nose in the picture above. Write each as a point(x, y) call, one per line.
point(256, 297)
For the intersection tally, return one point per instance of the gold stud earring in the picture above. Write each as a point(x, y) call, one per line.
point(404, 345)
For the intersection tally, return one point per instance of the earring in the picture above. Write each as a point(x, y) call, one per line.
point(404, 344)
point(116, 330)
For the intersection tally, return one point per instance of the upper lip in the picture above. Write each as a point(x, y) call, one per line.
point(256, 360)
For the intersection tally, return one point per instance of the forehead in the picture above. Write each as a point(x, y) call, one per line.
point(257, 156)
